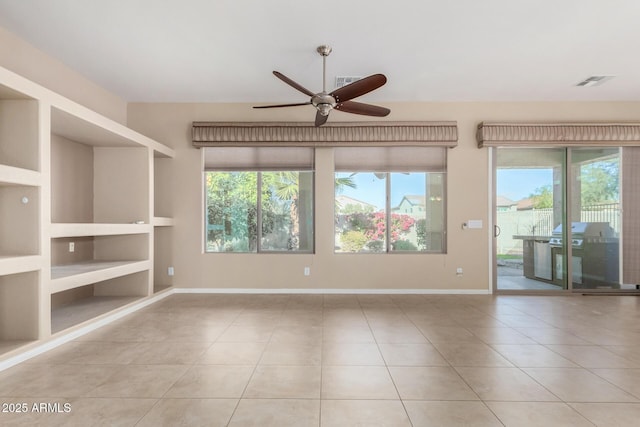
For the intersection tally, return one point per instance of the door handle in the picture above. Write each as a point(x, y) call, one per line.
point(496, 231)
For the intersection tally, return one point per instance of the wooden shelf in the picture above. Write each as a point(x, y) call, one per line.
point(10, 175)
point(19, 264)
point(71, 276)
point(161, 221)
point(92, 229)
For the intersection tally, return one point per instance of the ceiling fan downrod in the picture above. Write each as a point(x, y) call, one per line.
point(324, 50)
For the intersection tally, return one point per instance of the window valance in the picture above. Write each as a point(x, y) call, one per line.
point(383, 159)
point(258, 158)
point(298, 134)
point(491, 134)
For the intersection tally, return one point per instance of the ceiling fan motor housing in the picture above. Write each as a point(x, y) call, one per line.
point(323, 102)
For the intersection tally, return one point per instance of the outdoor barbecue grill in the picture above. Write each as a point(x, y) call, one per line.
point(595, 255)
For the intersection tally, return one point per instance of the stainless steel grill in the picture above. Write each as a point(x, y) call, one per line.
point(594, 254)
point(584, 233)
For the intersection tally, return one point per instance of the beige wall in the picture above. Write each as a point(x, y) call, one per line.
point(468, 186)
point(71, 181)
point(22, 58)
point(468, 198)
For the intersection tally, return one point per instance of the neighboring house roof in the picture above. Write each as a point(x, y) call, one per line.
point(525, 204)
point(503, 201)
point(346, 200)
point(414, 200)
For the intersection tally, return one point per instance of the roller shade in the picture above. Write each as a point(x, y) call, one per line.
point(492, 134)
point(630, 217)
point(295, 134)
point(258, 158)
point(383, 159)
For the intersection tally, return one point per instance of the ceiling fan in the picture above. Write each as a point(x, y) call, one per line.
point(339, 99)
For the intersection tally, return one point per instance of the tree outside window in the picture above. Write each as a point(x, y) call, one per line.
point(254, 211)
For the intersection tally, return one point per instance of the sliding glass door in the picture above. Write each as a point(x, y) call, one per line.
point(529, 208)
point(537, 192)
point(595, 218)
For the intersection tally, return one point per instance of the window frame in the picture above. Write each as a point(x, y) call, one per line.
point(388, 211)
point(259, 215)
point(430, 160)
point(258, 161)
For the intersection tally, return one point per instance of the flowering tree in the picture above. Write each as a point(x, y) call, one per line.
point(400, 224)
point(368, 229)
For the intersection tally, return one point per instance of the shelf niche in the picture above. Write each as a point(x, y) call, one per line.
point(75, 306)
point(163, 222)
point(19, 307)
point(163, 242)
point(96, 257)
point(19, 220)
point(93, 184)
point(162, 180)
point(19, 144)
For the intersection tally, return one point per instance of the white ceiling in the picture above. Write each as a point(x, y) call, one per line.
point(430, 50)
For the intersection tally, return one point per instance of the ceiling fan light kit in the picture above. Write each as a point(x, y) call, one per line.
point(339, 99)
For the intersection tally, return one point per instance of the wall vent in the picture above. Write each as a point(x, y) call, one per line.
point(345, 80)
point(594, 81)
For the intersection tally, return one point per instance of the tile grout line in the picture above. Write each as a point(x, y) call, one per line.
point(255, 368)
point(400, 399)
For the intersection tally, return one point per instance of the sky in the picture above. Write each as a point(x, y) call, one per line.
point(518, 184)
point(515, 184)
point(371, 189)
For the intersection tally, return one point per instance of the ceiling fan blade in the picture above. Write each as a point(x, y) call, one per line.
point(283, 105)
point(358, 88)
point(320, 119)
point(293, 84)
point(364, 109)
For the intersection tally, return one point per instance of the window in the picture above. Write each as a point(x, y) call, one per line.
point(390, 199)
point(259, 199)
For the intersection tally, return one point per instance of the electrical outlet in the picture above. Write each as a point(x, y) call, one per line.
point(170, 271)
point(307, 271)
point(72, 246)
point(459, 271)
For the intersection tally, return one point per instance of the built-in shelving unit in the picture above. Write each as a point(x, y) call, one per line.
point(83, 228)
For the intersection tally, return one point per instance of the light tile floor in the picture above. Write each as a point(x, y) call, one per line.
point(343, 360)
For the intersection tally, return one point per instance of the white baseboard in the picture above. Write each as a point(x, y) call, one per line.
point(331, 291)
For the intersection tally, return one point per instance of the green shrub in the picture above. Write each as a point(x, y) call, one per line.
point(353, 241)
point(404, 245)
